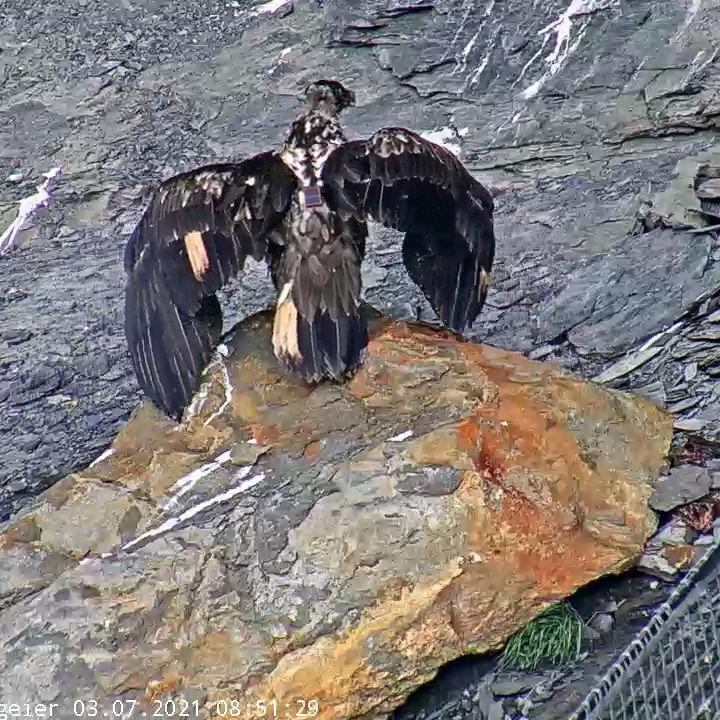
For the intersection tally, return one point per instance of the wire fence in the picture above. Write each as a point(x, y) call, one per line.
point(671, 670)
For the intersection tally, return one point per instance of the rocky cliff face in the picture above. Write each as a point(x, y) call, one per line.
point(577, 114)
point(335, 544)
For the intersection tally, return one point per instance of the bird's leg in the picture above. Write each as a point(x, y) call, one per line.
point(197, 254)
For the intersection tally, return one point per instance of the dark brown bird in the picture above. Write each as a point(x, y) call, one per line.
point(304, 210)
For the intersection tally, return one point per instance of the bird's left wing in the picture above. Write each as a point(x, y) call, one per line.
point(195, 235)
point(408, 183)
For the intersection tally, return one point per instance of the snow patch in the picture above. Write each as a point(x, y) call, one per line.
point(447, 137)
point(268, 7)
point(29, 207)
point(402, 436)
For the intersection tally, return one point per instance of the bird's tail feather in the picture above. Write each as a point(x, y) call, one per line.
point(318, 330)
point(330, 347)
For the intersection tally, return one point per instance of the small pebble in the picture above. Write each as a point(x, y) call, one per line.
point(16, 336)
point(690, 424)
point(28, 442)
point(15, 293)
point(602, 623)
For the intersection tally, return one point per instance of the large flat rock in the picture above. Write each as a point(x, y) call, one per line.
point(336, 543)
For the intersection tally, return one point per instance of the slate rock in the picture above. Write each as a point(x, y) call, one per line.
point(95, 365)
point(16, 336)
point(28, 442)
point(605, 309)
point(431, 481)
point(37, 383)
point(507, 684)
point(682, 485)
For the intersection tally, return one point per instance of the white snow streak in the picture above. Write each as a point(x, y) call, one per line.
point(196, 404)
point(170, 523)
point(402, 436)
point(187, 483)
point(228, 394)
point(469, 46)
point(692, 11)
point(564, 29)
point(463, 57)
point(461, 27)
point(198, 401)
point(479, 69)
point(103, 456)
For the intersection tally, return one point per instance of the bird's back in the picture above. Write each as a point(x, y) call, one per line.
point(312, 137)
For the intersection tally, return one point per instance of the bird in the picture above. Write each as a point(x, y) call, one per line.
point(304, 210)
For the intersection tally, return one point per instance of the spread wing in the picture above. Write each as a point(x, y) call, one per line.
point(195, 235)
point(413, 185)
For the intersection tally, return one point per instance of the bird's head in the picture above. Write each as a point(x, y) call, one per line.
point(328, 97)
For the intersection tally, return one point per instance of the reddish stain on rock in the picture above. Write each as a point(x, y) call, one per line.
point(489, 461)
point(266, 434)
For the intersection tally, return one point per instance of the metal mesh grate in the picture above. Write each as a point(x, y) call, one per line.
point(671, 670)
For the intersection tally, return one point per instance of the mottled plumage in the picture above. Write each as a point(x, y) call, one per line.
point(304, 210)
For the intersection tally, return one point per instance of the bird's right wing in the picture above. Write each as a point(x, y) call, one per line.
point(195, 235)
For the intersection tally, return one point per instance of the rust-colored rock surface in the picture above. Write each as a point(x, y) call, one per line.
point(334, 544)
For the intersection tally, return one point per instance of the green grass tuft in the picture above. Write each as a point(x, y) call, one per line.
point(554, 636)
